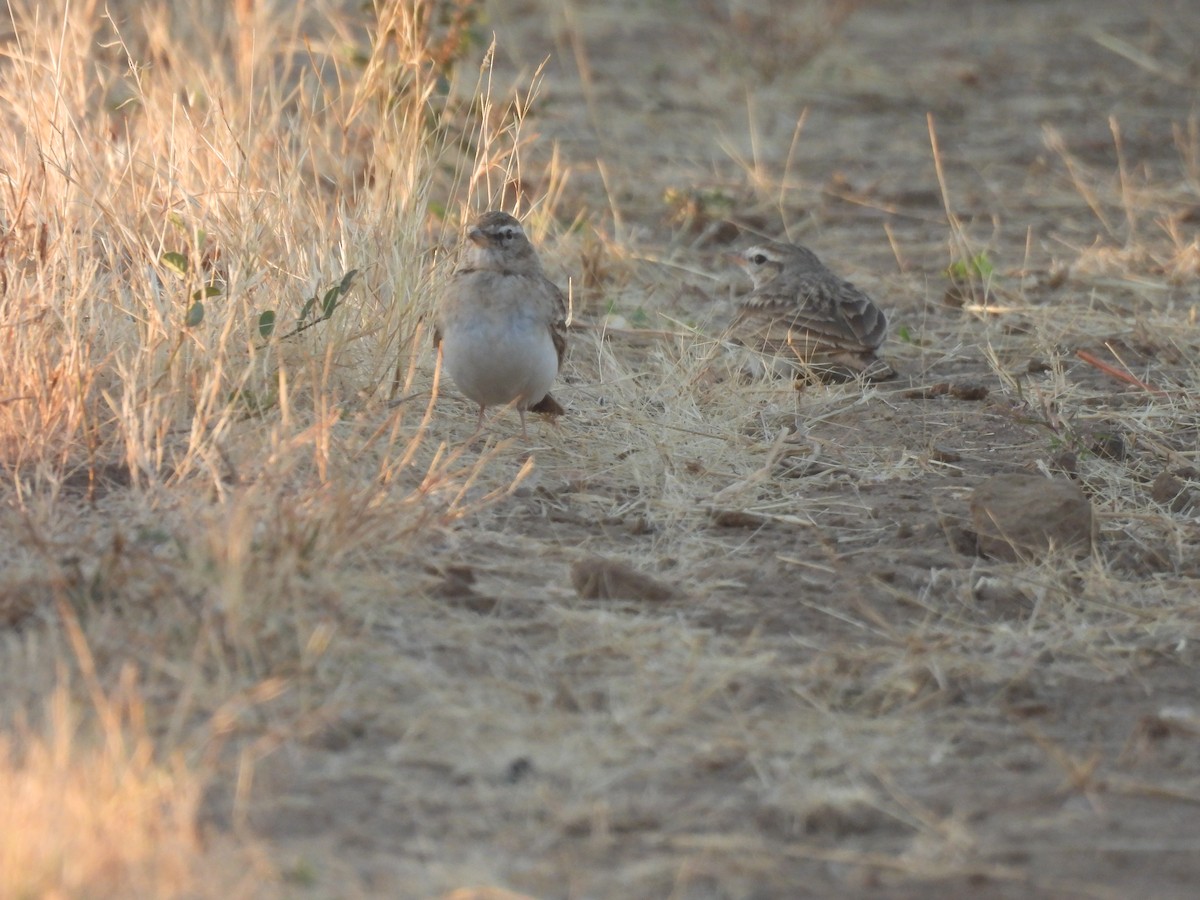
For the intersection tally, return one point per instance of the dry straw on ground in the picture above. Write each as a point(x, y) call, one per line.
point(274, 624)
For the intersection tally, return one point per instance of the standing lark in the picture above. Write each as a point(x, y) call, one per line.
point(501, 327)
point(801, 312)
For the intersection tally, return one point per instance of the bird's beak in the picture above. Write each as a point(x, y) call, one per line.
point(734, 258)
point(476, 236)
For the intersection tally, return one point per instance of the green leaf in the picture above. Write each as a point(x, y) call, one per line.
point(209, 290)
point(307, 308)
point(347, 280)
point(176, 262)
point(974, 267)
point(904, 334)
point(266, 323)
point(330, 301)
point(195, 315)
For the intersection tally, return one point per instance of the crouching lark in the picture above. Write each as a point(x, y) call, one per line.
point(803, 314)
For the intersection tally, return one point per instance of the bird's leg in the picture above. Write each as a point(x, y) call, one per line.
point(524, 433)
point(479, 421)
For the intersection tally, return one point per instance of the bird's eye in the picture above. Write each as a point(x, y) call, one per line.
point(758, 259)
point(508, 234)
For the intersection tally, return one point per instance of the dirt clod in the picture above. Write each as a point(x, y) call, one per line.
point(1019, 515)
point(1171, 492)
point(965, 391)
point(598, 578)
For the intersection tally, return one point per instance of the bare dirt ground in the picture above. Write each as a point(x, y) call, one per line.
point(842, 700)
point(840, 697)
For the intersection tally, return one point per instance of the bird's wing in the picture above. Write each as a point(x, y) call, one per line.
point(557, 319)
point(822, 312)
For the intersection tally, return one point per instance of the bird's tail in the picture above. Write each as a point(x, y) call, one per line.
point(548, 406)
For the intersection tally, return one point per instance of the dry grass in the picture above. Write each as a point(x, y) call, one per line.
point(272, 625)
point(199, 482)
point(66, 802)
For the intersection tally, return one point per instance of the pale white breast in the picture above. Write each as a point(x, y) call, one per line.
point(497, 359)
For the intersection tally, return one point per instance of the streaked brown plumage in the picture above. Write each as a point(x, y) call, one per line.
point(802, 312)
point(501, 323)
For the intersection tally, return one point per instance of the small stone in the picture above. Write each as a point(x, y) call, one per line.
point(456, 586)
point(1003, 598)
point(1110, 446)
point(965, 391)
point(969, 391)
point(944, 454)
point(736, 518)
point(1170, 492)
point(957, 295)
point(519, 769)
point(1019, 515)
point(1066, 462)
point(960, 539)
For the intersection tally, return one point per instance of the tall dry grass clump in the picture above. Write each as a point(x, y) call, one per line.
point(219, 227)
point(82, 814)
point(177, 192)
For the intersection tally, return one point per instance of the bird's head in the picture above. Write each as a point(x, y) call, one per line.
point(763, 262)
point(497, 241)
